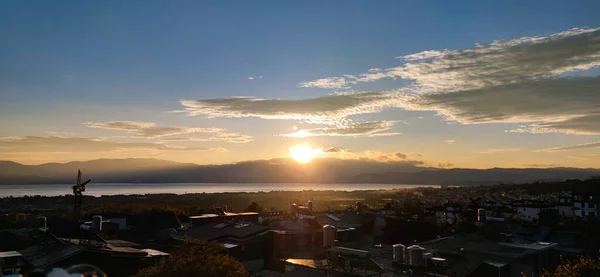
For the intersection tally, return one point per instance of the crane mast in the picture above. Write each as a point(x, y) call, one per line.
point(78, 190)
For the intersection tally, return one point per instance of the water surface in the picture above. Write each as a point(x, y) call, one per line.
point(182, 188)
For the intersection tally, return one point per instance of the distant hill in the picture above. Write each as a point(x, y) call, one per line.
point(280, 170)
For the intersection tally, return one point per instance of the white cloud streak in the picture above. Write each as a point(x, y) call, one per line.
point(331, 109)
point(225, 137)
point(583, 146)
point(328, 83)
point(498, 63)
point(147, 129)
point(150, 130)
point(513, 81)
point(500, 151)
point(564, 104)
point(369, 129)
point(54, 144)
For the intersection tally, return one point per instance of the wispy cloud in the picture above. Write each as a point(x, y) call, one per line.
point(500, 151)
point(331, 109)
point(440, 165)
point(328, 83)
point(498, 63)
point(255, 78)
point(516, 81)
point(540, 165)
point(587, 157)
point(370, 129)
point(225, 137)
point(54, 144)
point(450, 141)
point(149, 130)
point(61, 134)
point(590, 145)
point(580, 125)
point(336, 150)
point(391, 157)
point(561, 105)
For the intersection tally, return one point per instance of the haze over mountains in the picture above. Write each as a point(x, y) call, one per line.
point(279, 170)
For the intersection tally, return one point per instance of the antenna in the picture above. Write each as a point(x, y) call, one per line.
point(78, 190)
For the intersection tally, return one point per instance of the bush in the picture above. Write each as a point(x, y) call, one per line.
point(584, 267)
point(195, 258)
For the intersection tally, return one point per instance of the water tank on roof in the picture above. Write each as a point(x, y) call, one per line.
point(426, 258)
point(97, 223)
point(415, 255)
point(310, 205)
point(41, 222)
point(328, 235)
point(399, 253)
point(481, 215)
point(294, 209)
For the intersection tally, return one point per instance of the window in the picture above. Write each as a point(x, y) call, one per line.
point(593, 213)
point(591, 205)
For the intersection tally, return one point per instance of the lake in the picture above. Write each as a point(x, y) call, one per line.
point(183, 188)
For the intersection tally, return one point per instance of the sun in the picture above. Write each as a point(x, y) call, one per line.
point(302, 153)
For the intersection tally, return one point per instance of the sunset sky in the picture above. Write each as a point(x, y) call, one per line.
point(451, 83)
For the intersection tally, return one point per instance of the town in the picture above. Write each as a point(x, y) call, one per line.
point(501, 230)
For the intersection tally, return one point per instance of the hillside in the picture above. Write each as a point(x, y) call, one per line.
point(281, 170)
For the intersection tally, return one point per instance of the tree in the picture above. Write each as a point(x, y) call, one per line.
point(584, 267)
point(254, 207)
point(195, 258)
point(549, 217)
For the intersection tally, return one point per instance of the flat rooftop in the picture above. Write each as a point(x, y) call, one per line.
point(216, 231)
point(222, 215)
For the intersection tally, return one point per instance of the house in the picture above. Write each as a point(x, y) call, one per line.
point(585, 202)
point(529, 210)
point(468, 255)
point(448, 213)
point(222, 217)
point(565, 207)
point(271, 215)
point(115, 258)
point(242, 239)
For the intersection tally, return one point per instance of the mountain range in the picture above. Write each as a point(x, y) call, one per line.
point(278, 170)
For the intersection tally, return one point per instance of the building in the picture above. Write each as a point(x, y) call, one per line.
point(585, 202)
point(272, 215)
point(338, 261)
point(200, 220)
point(529, 210)
point(115, 258)
point(565, 207)
point(448, 213)
point(242, 239)
point(458, 256)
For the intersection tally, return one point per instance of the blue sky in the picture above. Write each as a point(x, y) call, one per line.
point(69, 63)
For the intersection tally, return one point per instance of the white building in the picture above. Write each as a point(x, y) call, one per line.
point(585, 204)
point(448, 213)
point(529, 209)
point(565, 207)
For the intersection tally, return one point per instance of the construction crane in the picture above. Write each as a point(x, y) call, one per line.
point(78, 189)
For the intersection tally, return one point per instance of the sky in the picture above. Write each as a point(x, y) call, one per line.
point(475, 84)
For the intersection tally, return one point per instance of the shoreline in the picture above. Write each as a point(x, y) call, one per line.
point(142, 189)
